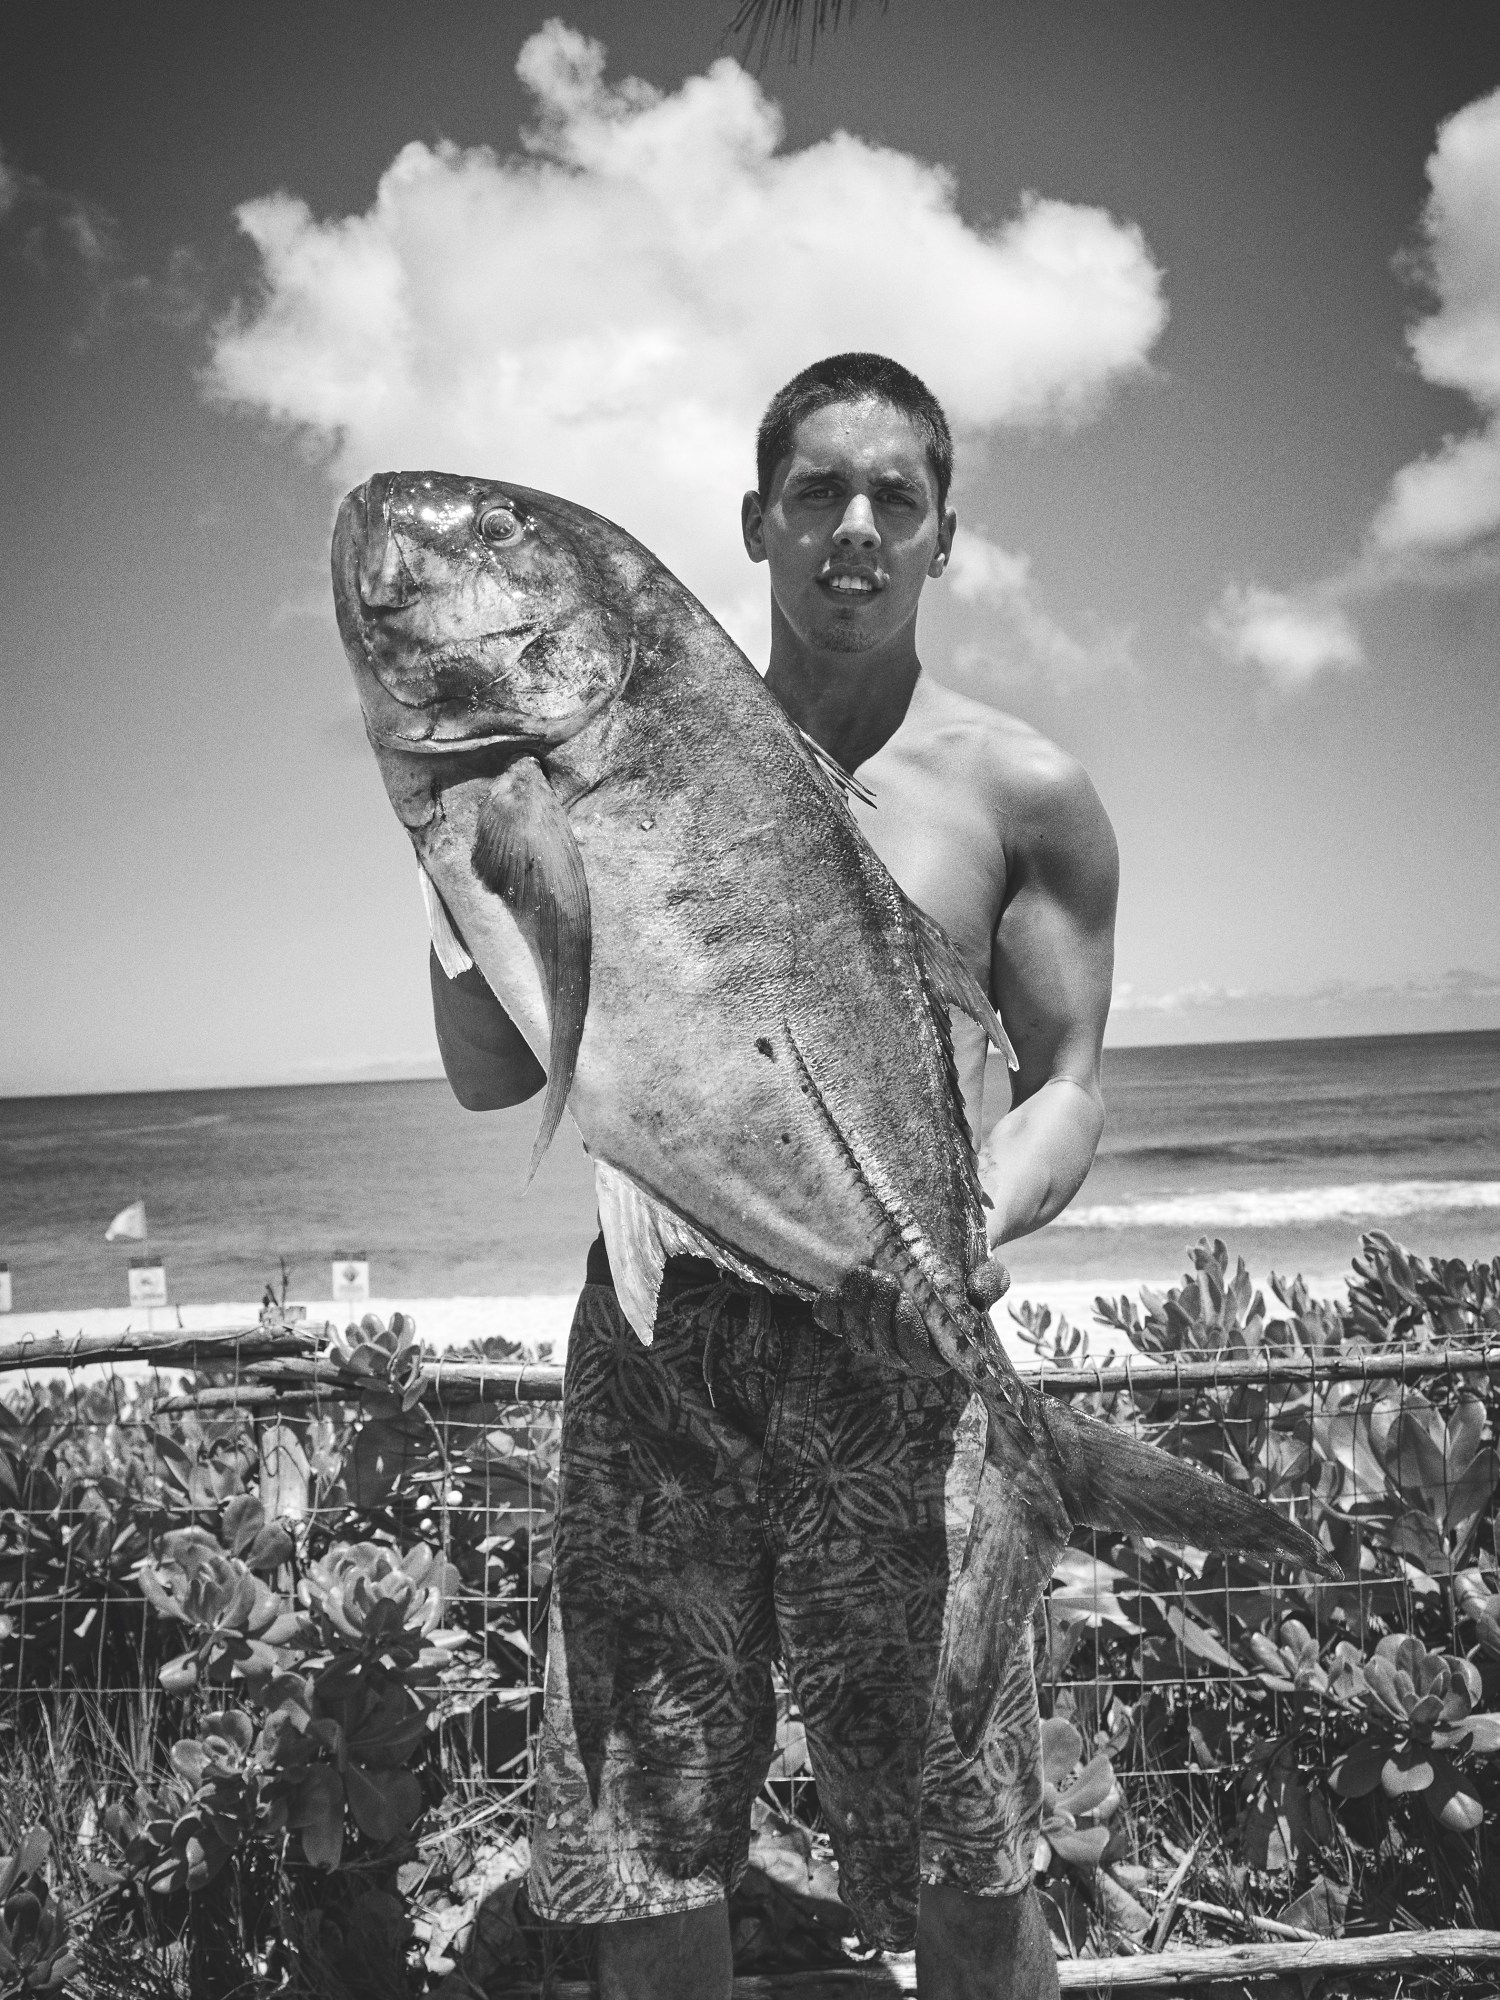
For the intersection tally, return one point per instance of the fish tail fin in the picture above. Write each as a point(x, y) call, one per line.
point(1035, 1488)
point(1019, 1528)
point(1109, 1479)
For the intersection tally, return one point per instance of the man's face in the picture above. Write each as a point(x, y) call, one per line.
point(851, 527)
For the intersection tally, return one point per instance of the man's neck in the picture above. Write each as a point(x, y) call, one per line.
point(851, 704)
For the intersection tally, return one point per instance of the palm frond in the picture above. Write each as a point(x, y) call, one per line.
point(780, 21)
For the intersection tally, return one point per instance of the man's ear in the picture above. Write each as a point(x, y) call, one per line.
point(753, 526)
point(946, 531)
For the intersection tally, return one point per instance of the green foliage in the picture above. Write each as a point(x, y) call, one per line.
point(1418, 1714)
point(1344, 1732)
point(314, 1679)
point(337, 1689)
point(327, 1627)
point(34, 1957)
point(1079, 1795)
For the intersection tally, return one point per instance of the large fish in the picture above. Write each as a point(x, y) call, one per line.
point(660, 881)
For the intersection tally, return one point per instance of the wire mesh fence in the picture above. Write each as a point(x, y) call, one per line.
point(219, 1527)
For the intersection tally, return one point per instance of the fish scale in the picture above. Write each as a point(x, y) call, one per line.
point(661, 882)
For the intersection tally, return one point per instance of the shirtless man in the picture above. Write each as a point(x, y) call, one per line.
point(1000, 837)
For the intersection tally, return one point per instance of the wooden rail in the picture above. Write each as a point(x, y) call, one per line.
point(538, 1382)
point(1403, 1364)
point(282, 1361)
point(1175, 1971)
point(443, 1384)
point(177, 1348)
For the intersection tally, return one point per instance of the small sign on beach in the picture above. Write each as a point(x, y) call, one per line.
point(148, 1281)
point(351, 1277)
point(4, 1286)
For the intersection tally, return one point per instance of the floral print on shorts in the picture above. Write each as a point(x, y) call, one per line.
point(746, 1488)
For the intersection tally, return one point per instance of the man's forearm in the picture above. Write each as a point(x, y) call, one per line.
point(1035, 1159)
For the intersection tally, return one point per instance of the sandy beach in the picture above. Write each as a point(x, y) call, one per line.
point(539, 1321)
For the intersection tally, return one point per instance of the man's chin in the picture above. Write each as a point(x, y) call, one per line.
point(842, 637)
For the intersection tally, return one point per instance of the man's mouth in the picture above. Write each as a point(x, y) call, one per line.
point(852, 583)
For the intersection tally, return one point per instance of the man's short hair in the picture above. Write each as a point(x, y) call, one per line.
point(852, 378)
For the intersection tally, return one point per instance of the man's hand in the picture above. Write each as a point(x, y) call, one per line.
point(988, 1283)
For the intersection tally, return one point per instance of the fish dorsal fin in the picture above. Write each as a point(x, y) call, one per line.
point(446, 942)
point(843, 781)
point(525, 852)
point(953, 982)
point(641, 1233)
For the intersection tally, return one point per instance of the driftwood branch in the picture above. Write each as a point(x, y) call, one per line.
point(282, 1357)
point(1176, 1971)
point(298, 1379)
point(174, 1349)
point(1197, 1965)
point(1403, 1364)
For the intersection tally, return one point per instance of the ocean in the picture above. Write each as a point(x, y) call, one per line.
point(1288, 1150)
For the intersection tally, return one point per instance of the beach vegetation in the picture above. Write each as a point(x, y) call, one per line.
point(269, 1675)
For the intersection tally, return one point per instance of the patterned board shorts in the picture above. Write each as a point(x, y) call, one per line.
point(749, 1487)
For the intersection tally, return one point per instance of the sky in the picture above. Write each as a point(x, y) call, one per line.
point(1211, 293)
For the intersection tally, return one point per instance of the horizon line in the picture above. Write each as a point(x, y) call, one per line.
point(424, 1070)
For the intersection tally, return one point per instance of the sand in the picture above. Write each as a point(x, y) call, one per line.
point(539, 1321)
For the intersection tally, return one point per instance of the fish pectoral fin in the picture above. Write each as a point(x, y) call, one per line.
point(1112, 1480)
point(525, 852)
point(1020, 1527)
point(953, 982)
point(452, 952)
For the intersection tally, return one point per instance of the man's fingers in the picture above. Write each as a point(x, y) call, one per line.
point(987, 1282)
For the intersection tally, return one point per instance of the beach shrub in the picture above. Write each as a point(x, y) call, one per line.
point(335, 1687)
point(1342, 1733)
point(34, 1955)
point(327, 1625)
point(1418, 1710)
point(1079, 1795)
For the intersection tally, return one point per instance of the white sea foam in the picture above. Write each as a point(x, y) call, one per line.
point(1270, 1208)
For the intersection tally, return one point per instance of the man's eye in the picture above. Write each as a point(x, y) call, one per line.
point(499, 525)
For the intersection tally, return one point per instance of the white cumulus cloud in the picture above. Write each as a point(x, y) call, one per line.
point(1438, 520)
point(1291, 640)
point(606, 312)
point(1452, 498)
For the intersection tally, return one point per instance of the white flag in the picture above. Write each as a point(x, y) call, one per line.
point(129, 1223)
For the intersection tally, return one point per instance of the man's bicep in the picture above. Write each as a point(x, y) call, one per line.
point(486, 1058)
point(1052, 967)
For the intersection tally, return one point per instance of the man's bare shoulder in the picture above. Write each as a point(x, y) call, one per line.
point(1028, 778)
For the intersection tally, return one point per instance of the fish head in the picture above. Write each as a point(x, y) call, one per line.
point(477, 612)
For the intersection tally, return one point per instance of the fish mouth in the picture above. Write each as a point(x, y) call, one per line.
point(455, 672)
point(549, 734)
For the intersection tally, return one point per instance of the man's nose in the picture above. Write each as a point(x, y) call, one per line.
point(857, 530)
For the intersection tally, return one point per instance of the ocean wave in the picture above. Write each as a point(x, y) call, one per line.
point(1270, 1208)
point(102, 1135)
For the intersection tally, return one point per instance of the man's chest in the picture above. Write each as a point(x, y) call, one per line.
point(945, 849)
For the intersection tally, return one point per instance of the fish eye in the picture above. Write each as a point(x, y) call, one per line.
point(499, 525)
